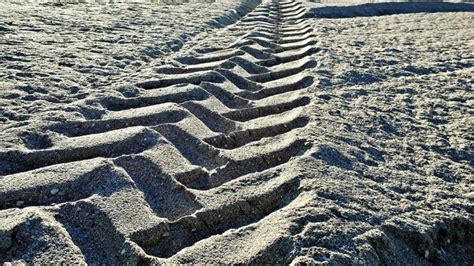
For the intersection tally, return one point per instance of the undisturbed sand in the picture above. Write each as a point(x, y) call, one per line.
point(281, 138)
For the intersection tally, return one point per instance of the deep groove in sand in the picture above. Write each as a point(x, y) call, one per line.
point(191, 229)
point(236, 168)
point(243, 115)
point(136, 141)
point(240, 138)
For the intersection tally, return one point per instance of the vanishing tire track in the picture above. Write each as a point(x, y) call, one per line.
point(208, 120)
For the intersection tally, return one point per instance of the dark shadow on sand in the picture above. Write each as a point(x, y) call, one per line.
point(382, 9)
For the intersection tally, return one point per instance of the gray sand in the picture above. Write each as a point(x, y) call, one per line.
point(281, 138)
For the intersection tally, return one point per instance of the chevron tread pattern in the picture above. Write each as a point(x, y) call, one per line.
point(210, 120)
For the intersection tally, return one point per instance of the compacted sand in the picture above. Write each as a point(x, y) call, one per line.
point(275, 135)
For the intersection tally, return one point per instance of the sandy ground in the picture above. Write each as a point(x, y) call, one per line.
point(55, 54)
point(279, 139)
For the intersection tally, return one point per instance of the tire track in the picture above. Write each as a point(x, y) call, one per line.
point(209, 120)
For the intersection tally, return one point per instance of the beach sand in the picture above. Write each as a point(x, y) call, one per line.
point(272, 136)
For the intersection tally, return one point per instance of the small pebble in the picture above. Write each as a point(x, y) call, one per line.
point(395, 209)
point(54, 191)
point(469, 195)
